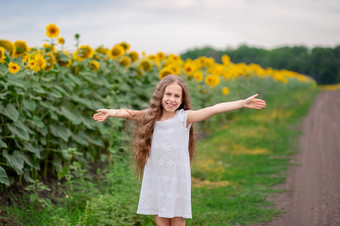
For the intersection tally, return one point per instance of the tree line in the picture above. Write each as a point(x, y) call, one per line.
point(321, 63)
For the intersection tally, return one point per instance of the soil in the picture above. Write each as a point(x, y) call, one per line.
point(313, 182)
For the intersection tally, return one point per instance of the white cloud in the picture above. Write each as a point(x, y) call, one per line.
point(173, 26)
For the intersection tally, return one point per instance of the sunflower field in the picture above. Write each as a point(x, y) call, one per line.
point(48, 96)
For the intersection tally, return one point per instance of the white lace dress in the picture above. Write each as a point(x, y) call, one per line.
point(166, 185)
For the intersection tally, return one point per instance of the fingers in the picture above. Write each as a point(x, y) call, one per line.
point(254, 96)
point(100, 116)
point(259, 104)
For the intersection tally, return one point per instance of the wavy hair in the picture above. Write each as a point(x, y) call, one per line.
point(146, 125)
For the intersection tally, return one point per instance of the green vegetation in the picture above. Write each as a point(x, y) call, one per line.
point(238, 164)
point(60, 167)
point(321, 63)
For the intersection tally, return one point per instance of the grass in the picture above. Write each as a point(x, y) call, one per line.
point(250, 155)
point(237, 167)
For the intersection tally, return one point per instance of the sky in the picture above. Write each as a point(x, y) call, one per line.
point(175, 26)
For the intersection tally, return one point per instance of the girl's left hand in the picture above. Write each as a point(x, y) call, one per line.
point(253, 103)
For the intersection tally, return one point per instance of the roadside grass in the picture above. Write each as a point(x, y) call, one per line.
point(250, 154)
point(237, 166)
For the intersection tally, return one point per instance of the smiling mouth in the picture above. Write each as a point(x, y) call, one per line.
point(171, 105)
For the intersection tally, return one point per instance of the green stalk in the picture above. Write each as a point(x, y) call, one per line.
point(45, 165)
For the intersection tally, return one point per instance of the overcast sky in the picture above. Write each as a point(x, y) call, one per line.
point(174, 26)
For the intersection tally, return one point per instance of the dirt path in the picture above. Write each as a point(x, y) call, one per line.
point(314, 184)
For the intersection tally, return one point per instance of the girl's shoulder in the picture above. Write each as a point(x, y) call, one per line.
point(182, 116)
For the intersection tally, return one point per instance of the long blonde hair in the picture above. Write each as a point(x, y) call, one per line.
point(145, 126)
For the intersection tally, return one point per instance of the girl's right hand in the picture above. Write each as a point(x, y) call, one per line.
point(102, 115)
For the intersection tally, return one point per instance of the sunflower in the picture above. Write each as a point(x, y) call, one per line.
point(32, 64)
point(226, 60)
point(63, 59)
point(52, 31)
point(161, 56)
point(101, 50)
point(212, 80)
point(133, 55)
point(175, 69)
point(50, 60)
point(61, 41)
point(125, 61)
point(225, 91)
point(20, 48)
point(37, 62)
point(164, 72)
point(84, 51)
point(13, 67)
point(48, 47)
point(7, 45)
point(94, 65)
point(116, 51)
point(198, 75)
point(173, 57)
point(145, 65)
point(2, 55)
point(125, 45)
point(40, 60)
point(154, 59)
point(189, 68)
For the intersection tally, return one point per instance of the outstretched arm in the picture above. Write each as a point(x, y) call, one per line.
point(202, 114)
point(103, 114)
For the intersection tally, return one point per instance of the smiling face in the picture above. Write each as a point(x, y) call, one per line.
point(172, 98)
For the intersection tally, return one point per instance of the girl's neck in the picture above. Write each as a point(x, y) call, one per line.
point(167, 115)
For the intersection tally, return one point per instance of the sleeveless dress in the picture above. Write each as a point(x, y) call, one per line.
point(166, 184)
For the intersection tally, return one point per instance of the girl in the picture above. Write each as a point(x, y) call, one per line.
point(164, 147)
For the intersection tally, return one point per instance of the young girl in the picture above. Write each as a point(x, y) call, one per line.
point(164, 147)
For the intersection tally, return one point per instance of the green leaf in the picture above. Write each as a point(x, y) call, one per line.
point(43, 131)
point(37, 122)
point(4, 95)
point(31, 161)
point(29, 104)
point(2, 144)
point(10, 111)
point(80, 100)
point(81, 138)
point(30, 148)
point(57, 163)
point(70, 115)
point(61, 90)
point(15, 161)
point(56, 94)
point(39, 89)
point(87, 122)
point(14, 81)
point(96, 141)
point(18, 130)
point(60, 131)
point(96, 105)
point(87, 76)
point(47, 104)
point(74, 79)
point(3, 176)
point(27, 176)
point(3, 69)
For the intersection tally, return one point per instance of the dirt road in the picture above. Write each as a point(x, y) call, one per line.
point(314, 184)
